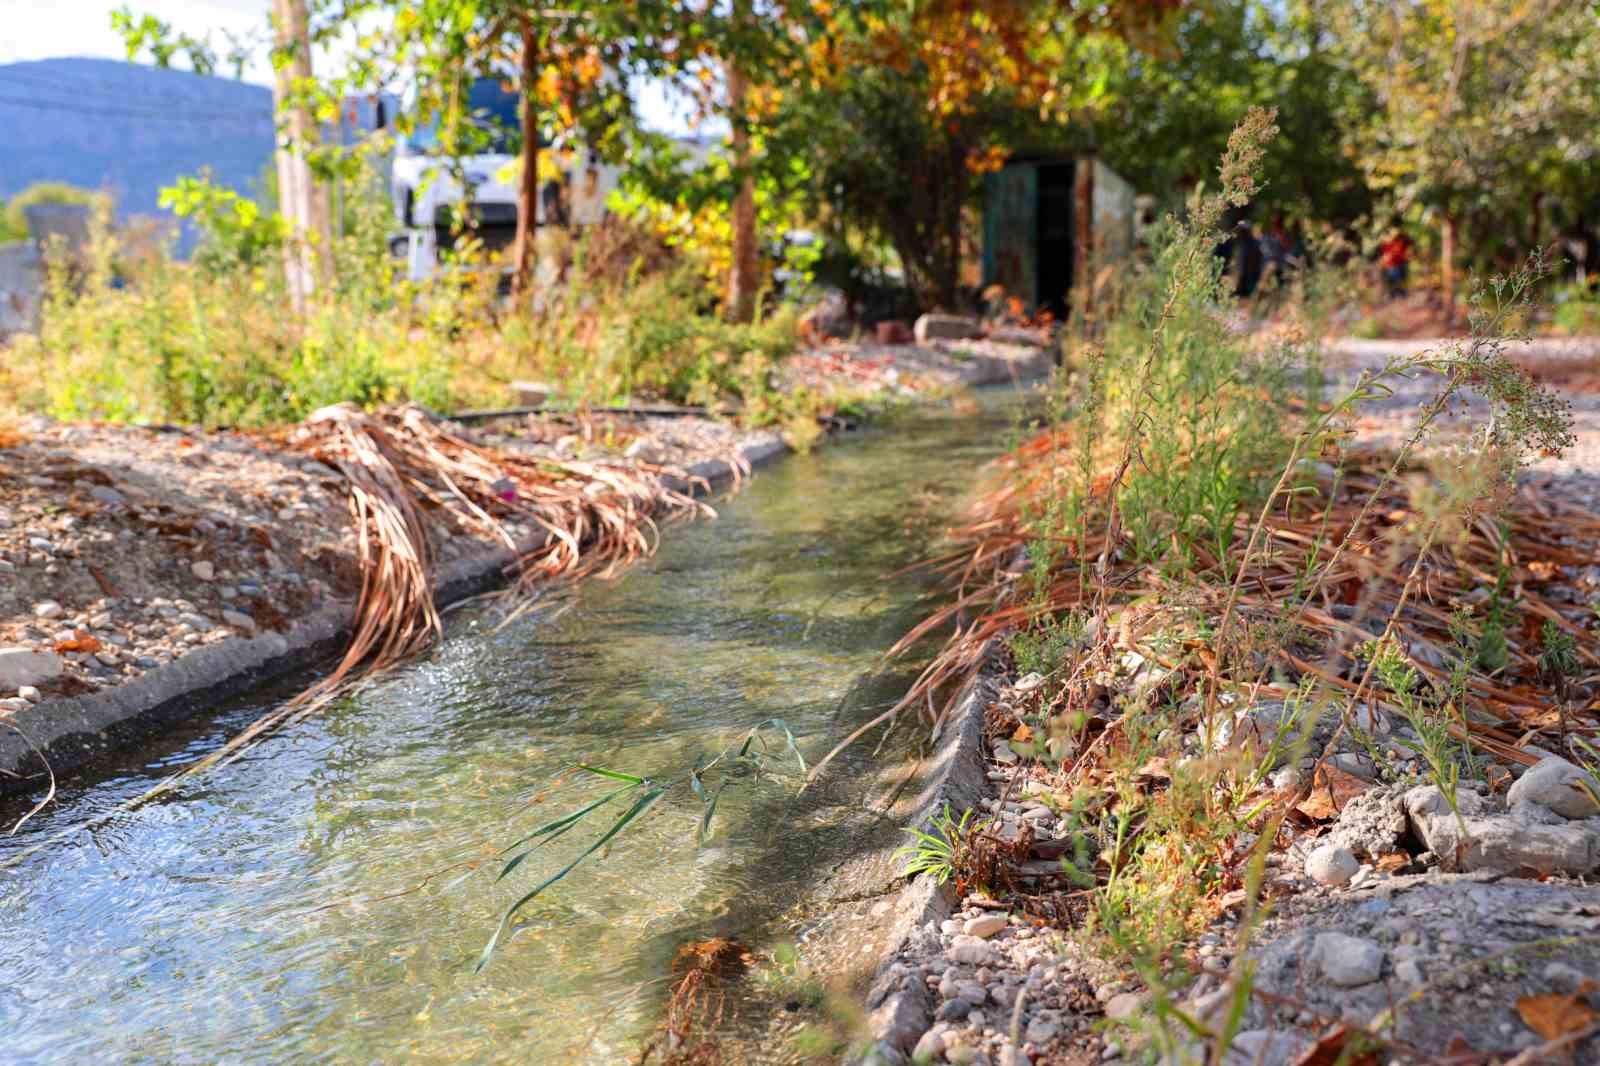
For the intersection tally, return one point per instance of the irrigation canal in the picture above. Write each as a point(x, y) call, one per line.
point(326, 896)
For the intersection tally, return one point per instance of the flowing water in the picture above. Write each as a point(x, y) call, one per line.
point(326, 897)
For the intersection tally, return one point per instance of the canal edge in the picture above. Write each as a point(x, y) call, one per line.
point(70, 731)
point(899, 1003)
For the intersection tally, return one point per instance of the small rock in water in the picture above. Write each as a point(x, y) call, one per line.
point(984, 926)
point(1331, 864)
point(1347, 961)
point(203, 569)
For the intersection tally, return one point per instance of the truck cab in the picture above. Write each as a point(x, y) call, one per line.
point(428, 195)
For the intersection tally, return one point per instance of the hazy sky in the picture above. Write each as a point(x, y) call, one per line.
point(51, 29)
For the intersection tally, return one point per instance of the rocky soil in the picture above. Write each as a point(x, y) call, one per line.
point(1391, 916)
point(1396, 926)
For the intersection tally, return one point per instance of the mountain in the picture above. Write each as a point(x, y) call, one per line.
point(128, 129)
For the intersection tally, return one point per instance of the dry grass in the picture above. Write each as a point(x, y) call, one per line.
point(1542, 535)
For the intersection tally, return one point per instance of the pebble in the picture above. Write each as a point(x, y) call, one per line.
point(1347, 961)
point(29, 693)
point(24, 666)
point(238, 620)
point(203, 569)
point(47, 609)
point(929, 1046)
point(1124, 1005)
point(973, 992)
point(1409, 971)
point(1041, 1031)
point(984, 926)
point(107, 495)
point(1331, 864)
point(970, 950)
point(1557, 785)
point(13, 703)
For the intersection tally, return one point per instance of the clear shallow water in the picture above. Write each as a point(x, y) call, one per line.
point(313, 900)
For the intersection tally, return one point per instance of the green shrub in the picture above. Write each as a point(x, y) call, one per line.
point(1577, 310)
point(14, 221)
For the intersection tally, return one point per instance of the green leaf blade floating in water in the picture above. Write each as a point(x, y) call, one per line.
point(553, 829)
point(711, 809)
point(615, 775)
point(643, 804)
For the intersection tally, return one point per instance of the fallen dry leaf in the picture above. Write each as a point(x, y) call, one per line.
point(82, 642)
point(1331, 789)
point(1391, 862)
point(1340, 1046)
point(1023, 734)
point(1555, 1014)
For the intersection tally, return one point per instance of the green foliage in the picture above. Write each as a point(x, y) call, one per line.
point(1558, 656)
point(747, 758)
point(1577, 310)
point(235, 232)
point(142, 337)
point(13, 218)
point(947, 851)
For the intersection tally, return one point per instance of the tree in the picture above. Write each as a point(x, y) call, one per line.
point(301, 200)
point(921, 100)
point(1469, 99)
point(1162, 121)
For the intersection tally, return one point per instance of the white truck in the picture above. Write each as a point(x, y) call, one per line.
point(427, 193)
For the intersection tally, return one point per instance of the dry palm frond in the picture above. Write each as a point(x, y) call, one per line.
point(560, 519)
point(700, 973)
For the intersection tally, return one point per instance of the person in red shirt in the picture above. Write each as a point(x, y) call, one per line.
point(1394, 257)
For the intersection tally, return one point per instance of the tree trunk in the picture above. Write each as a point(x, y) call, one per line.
point(298, 199)
point(528, 188)
point(745, 270)
point(1447, 268)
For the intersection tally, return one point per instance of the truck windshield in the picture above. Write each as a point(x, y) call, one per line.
point(491, 109)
